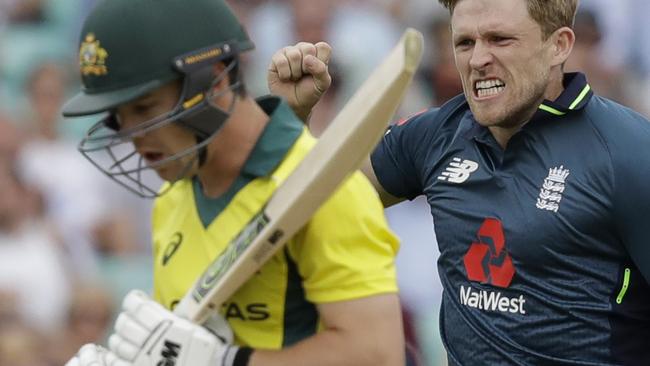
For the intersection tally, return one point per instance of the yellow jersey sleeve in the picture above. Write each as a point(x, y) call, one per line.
point(347, 251)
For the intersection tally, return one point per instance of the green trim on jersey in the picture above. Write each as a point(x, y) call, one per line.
point(624, 287)
point(345, 252)
point(300, 315)
point(278, 136)
point(551, 110)
point(574, 97)
point(581, 97)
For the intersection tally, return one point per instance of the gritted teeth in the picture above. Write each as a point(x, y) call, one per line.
point(491, 83)
point(489, 87)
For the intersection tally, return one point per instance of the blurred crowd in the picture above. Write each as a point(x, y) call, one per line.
point(72, 242)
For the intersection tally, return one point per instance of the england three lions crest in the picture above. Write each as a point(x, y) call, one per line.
point(550, 194)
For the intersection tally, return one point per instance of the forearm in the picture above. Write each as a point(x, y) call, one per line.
point(362, 332)
point(333, 347)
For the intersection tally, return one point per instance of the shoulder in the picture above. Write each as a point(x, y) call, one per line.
point(616, 123)
point(436, 117)
point(353, 199)
point(353, 213)
point(347, 251)
point(626, 136)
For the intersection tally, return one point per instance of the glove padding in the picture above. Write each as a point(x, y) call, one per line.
point(146, 334)
point(94, 355)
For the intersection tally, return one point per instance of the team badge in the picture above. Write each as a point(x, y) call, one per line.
point(92, 57)
point(550, 194)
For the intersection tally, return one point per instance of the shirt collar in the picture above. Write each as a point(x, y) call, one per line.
point(577, 93)
point(575, 96)
point(277, 138)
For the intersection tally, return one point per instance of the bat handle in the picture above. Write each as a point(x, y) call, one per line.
point(188, 308)
point(183, 308)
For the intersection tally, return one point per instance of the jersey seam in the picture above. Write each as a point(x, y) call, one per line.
point(315, 294)
point(610, 163)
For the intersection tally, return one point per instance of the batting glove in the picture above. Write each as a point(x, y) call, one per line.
point(94, 355)
point(146, 334)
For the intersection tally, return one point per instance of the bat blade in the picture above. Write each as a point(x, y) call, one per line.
point(346, 142)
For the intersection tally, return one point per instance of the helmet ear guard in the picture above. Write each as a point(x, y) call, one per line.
point(203, 118)
point(120, 64)
point(194, 111)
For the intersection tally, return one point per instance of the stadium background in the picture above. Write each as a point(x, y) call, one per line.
point(72, 243)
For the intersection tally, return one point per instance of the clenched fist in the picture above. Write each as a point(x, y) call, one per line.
point(300, 75)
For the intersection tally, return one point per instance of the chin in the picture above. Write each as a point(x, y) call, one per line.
point(167, 175)
point(488, 118)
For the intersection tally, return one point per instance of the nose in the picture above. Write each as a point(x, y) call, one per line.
point(126, 123)
point(481, 56)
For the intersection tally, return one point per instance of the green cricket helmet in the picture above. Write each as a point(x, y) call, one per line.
point(129, 48)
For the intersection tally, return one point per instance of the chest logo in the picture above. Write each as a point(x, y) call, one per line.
point(488, 261)
point(458, 171)
point(172, 247)
point(550, 194)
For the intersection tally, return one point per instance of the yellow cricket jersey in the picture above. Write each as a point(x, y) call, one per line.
point(346, 251)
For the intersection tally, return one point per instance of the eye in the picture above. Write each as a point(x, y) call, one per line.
point(501, 40)
point(143, 108)
point(463, 43)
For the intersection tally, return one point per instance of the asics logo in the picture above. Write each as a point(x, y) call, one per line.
point(172, 247)
point(458, 171)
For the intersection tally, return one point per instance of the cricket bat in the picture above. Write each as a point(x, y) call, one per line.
point(346, 142)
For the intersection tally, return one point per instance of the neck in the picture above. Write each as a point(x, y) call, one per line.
point(554, 89)
point(230, 149)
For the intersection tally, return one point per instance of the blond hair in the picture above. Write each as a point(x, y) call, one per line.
point(551, 15)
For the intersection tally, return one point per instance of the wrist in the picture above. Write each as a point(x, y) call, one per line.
point(237, 356)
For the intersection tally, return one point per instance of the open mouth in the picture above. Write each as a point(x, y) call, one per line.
point(152, 157)
point(488, 88)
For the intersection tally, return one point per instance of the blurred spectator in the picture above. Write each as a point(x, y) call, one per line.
point(89, 221)
point(441, 74)
point(31, 267)
point(640, 53)
point(584, 58)
point(89, 318)
point(21, 346)
point(417, 276)
point(10, 140)
point(26, 11)
point(68, 183)
point(360, 35)
point(616, 25)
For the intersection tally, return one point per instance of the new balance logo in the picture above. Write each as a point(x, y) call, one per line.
point(550, 194)
point(169, 354)
point(458, 171)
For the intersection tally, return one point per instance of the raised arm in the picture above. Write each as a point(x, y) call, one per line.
point(300, 75)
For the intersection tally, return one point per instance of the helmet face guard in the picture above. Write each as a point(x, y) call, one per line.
point(111, 149)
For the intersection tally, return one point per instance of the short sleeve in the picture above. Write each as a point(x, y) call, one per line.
point(347, 251)
point(398, 159)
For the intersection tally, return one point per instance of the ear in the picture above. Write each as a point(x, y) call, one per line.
point(562, 40)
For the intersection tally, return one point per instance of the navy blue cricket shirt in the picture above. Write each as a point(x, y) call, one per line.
point(544, 248)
